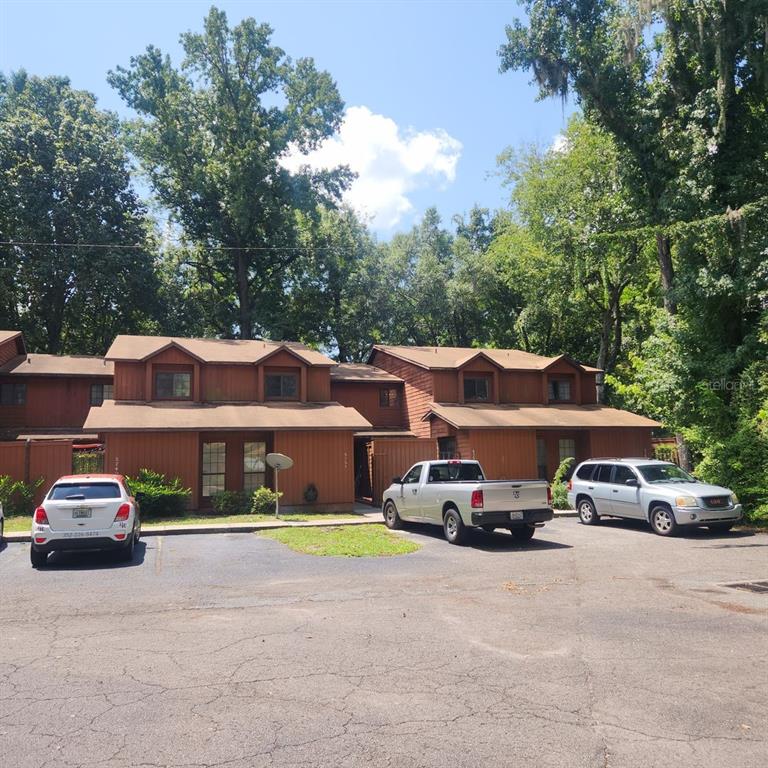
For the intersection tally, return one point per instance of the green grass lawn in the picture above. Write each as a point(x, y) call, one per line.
point(343, 541)
point(24, 524)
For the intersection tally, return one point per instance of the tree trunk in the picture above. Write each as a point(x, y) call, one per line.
point(683, 453)
point(664, 256)
point(602, 355)
point(243, 296)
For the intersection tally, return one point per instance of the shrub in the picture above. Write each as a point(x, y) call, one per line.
point(559, 488)
point(18, 497)
point(263, 501)
point(158, 496)
point(230, 503)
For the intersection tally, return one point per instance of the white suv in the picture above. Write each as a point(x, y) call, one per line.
point(86, 512)
point(647, 489)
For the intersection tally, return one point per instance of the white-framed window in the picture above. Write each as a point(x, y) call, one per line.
point(214, 467)
point(281, 386)
point(559, 389)
point(173, 385)
point(566, 448)
point(101, 392)
point(254, 465)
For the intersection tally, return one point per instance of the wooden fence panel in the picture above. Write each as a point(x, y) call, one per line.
point(29, 461)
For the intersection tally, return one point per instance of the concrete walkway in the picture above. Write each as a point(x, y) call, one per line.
point(367, 515)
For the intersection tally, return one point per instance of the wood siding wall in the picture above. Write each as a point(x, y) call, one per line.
point(318, 385)
point(9, 349)
point(34, 460)
point(391, 457)
point(175, 454)
point(503, 453)
point(221, 382)
point(521, 387)
point(365, 398)
point(418, 390)
point(620, 442)
point(54, 402)
point(324, 459)
point(227, 383)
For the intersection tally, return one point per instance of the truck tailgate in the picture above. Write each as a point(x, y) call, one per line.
point(507, 496)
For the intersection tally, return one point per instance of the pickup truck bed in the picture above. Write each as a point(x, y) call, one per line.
point(456, 495)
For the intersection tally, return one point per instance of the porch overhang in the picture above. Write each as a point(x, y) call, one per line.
point(485, 416)
point(121, 416)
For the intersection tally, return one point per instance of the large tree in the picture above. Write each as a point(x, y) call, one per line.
point(78, 269)
point(211, 137)
point(680, 84)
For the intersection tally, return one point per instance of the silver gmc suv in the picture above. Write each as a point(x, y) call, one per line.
point(646, 489)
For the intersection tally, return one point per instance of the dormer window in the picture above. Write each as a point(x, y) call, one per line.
point(173, 385)
point(476, 388)
point(559, 390)
point(281, 386)
point(389, 397)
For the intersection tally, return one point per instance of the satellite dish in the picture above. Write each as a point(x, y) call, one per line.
point(278, 461)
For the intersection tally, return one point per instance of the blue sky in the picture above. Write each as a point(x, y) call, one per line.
point(429, 111)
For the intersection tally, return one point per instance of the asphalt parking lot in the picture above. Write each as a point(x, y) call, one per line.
point(606, 647)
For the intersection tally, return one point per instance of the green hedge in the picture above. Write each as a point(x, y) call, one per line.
point(158, 496)
point(18, 497)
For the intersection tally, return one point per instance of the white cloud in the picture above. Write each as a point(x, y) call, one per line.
point(390, 163)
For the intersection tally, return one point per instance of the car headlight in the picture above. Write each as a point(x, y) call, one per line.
point(734, 499)
point(685, 501)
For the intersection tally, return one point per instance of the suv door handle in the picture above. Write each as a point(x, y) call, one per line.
point(414, 491)
point(615, 490)
point(591, 487)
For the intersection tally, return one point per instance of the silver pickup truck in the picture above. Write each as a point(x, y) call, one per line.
point(456, 495)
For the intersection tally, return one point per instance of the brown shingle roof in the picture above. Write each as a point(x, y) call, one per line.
point(8, 335)
point(58, 365)
point(132, 417)
point(535, 416)
point(359, 372)
point(235, 351)
point(456, 357)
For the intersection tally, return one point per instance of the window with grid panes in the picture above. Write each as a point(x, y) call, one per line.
point(254, 465)
point(214, 467)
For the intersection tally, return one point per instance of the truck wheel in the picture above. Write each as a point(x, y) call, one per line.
point(587, 512)
point(37, 558)
point(125, 554)
point(523, 532)
point(663, 521)
point(453, 527)
point(391, 517)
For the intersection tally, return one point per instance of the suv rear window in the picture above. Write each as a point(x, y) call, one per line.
point(603, 473)
point(84, 491)
point(585, 472)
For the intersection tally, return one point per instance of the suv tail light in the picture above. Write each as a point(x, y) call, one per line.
point(476, 501)
point(122, 513)
point(549, 495)
point(570, 485)
point(40, 517)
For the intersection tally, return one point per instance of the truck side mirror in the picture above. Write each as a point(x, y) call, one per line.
point(632, 481)
point(397, 480)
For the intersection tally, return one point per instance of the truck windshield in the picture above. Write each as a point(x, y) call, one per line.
point(665, 473)
point(84, 491)
point(443, 473)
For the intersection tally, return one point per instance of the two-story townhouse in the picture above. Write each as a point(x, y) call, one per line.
point(209, 410)
point(48, 395)
point(518, 413)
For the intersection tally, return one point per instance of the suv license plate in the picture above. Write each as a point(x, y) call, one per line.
point(81, 512)
point(515, 515)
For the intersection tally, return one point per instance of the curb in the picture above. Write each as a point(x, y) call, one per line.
point(370, 518)
point(183, 530)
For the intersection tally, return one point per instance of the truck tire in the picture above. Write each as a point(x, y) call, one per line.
point(662, 520)
point(587, 512)
point(453, 526)
point(523, 532)
point(391, 517)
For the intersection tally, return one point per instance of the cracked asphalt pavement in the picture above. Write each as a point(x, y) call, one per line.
point(597, 647)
